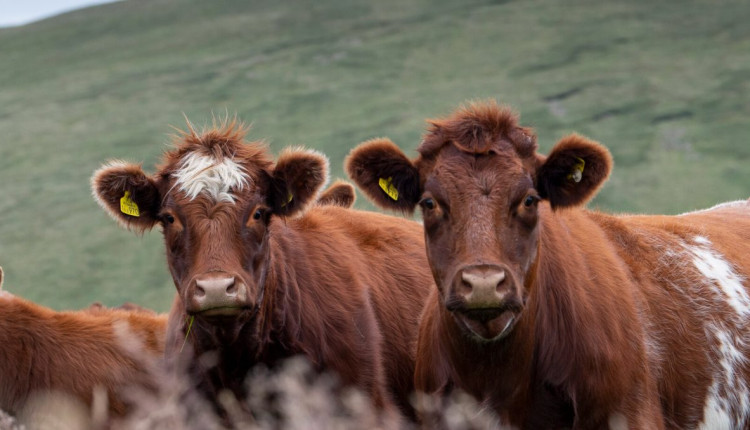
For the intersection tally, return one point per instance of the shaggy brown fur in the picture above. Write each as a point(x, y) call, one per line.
point(556, 316)
point(341, 287)
point(127, 306)
point(74, 352)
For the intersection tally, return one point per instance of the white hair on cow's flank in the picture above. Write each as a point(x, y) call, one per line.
point(715, 414)
point(715, 268)
point(727, 405)
point(198, 173)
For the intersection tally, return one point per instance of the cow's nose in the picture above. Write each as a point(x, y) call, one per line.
point(482, 286)
point(215, 292)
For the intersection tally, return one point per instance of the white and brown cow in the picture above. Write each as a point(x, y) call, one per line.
point(556, 316)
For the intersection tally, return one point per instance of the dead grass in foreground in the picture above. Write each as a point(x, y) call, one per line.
point(292, 397)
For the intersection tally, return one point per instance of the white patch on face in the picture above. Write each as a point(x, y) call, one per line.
point(6, 295)
point(202, 174)
point(715, 268)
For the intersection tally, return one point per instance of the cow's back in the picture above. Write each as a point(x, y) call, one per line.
point(73, 352)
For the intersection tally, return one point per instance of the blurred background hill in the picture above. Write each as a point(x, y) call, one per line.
point(665, 85)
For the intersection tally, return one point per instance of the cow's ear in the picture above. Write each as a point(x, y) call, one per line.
point(127, 194)
point(296, 179)
point(385, 174)
point(341, 193)
point(573, 171)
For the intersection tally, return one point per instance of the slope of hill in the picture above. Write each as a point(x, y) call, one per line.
point(666, 85)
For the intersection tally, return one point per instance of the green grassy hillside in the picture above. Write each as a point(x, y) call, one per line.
point(666, 85)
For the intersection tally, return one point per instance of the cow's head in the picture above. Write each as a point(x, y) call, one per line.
point(479, 183)
point(214, 196)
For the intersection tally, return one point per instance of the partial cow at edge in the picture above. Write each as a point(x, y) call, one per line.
point(263, 275)
point(75, 354)
point(557, 316)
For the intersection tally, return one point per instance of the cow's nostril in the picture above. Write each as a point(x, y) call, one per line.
point(199, 292)
point(465, 287)
point(232, 289)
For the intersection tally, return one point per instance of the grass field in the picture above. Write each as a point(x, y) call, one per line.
point(665, 85)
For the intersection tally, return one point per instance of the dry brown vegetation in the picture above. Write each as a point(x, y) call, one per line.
point(290, 397)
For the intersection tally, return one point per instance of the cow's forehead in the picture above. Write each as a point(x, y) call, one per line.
point(482, 140)
point(459, 172)
point(217, 163)
point(219, 179)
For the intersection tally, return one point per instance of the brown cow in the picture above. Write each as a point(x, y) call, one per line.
point(74, 352)
point(556, 316)
point(342, 287)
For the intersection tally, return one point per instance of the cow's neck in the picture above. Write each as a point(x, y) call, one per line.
point(280, 317)
point(562, 309)
point(561, 300)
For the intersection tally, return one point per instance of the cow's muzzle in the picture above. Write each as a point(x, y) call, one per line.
point(485, 301)
point(217, 294)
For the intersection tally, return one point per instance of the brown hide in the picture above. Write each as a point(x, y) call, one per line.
point(556, 316)
point(262, 277)
point(127, 306)
point(74, 352)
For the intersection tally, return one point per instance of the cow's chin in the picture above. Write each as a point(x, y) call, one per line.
point(488, 330)
point(222, 312)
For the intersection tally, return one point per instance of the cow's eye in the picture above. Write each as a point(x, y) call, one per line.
point(169, 218)
point(428, 203)
point(530, 201)
point(258, 214)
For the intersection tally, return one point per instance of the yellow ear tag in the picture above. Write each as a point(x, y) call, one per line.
point(288, 200)
point(128, 206)
point(577, 173)
point(387, 186)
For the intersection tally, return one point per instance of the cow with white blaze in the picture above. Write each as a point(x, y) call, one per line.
point(262, 275)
